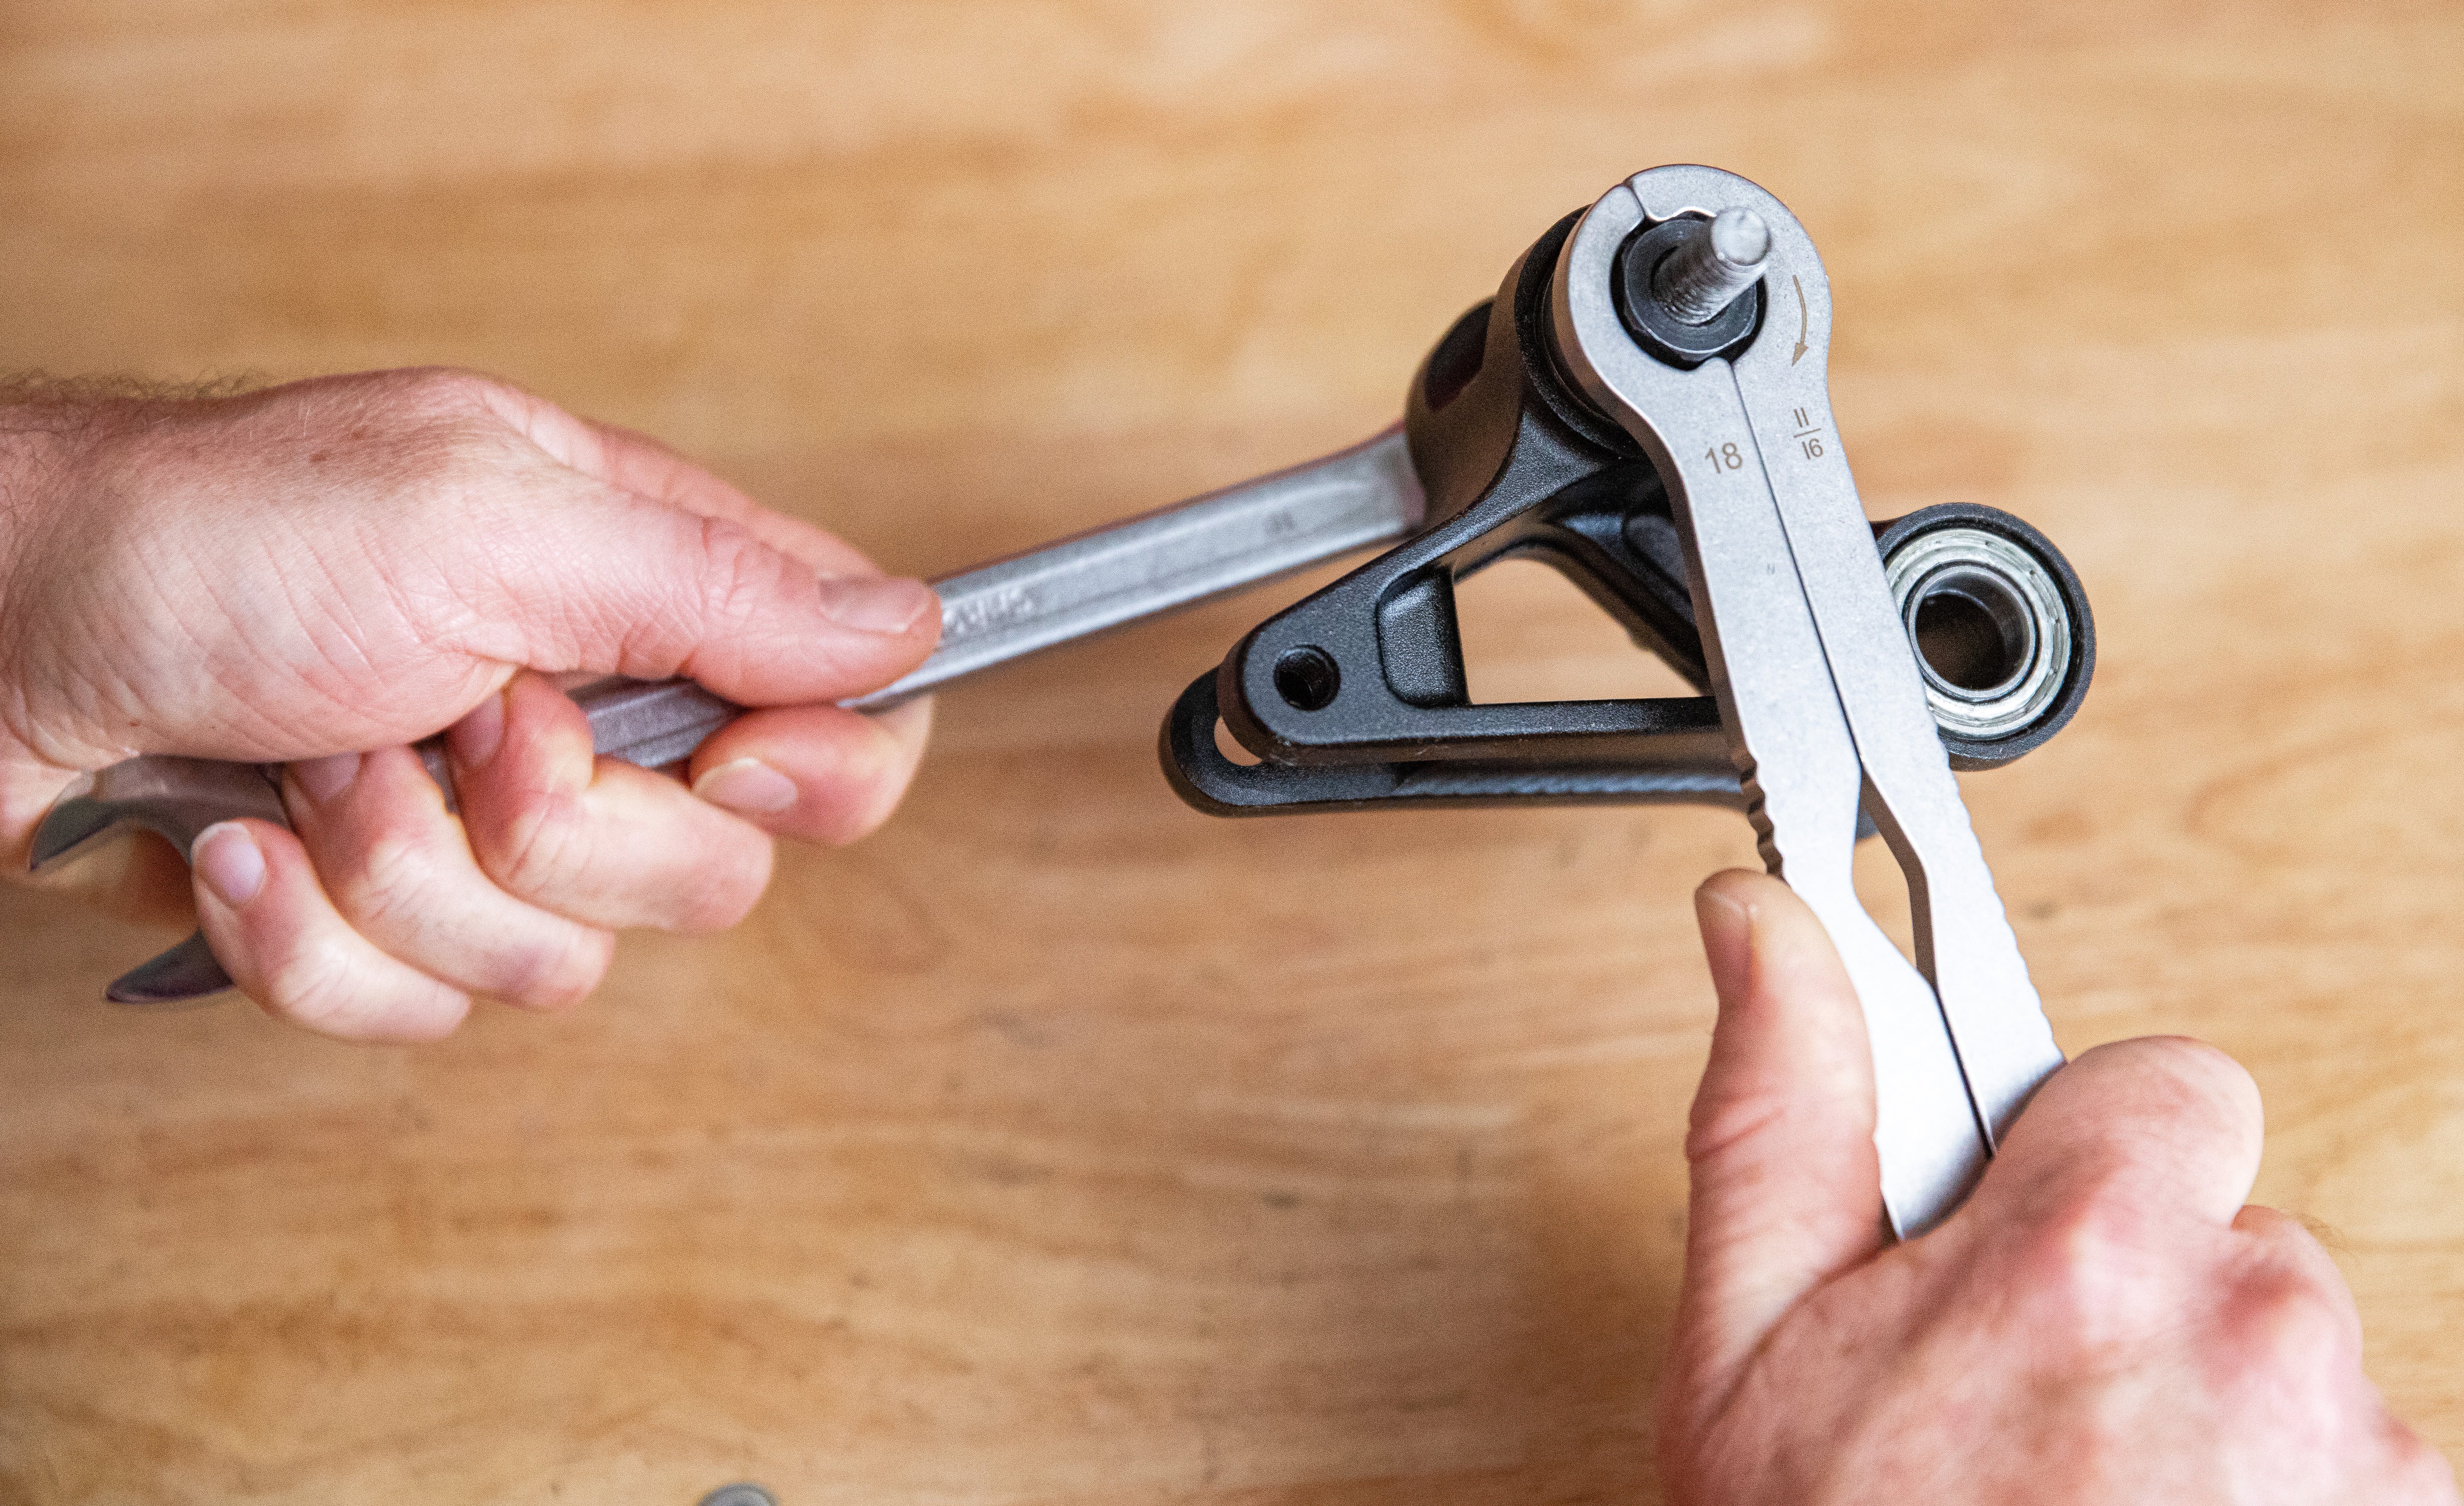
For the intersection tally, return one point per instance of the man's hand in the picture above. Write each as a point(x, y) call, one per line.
point(2103, 1322)
point(325, 572)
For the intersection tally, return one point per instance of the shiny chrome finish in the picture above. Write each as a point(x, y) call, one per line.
point(1994, 591)
point(1215, 544)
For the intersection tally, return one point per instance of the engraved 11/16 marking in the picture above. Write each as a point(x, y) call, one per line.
point(1808, 435)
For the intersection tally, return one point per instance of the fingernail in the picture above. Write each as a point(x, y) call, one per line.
point(1728, 935)
point(475, 738)
point(891, 604)
point(747, 785)
point(227, 857)
point(324, 778)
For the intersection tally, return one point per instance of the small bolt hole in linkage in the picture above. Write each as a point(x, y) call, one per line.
point(1308, 678)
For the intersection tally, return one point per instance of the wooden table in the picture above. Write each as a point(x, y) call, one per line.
point(1060, 1145)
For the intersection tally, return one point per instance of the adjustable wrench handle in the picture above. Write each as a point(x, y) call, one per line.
point(1148, 565)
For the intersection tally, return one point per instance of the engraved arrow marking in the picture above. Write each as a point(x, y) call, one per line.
point(1800, 321)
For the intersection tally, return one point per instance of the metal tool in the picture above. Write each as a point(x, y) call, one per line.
point(1644, 405)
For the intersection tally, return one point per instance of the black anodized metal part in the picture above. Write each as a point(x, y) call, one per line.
point(1201, 774)
point(1370, 670)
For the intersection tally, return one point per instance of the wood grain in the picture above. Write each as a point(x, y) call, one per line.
point(1060, 1145)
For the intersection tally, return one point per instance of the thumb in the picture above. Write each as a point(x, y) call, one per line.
point(618, 583)
point(632, 560)
point(1786, 1188)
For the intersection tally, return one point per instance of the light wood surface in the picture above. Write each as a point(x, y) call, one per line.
point(1059, 1144)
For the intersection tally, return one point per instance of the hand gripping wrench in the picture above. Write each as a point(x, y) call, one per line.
point(1161, 562)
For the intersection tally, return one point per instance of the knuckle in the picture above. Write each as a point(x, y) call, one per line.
point(384, 882)
point(2104, 1447)
point(543, 851)
point(1719, 1127)
point(2086, 1261)
point(315, 985)
point(2284, 1322)
point(560, 975)
point(324, 988)
point(2426, 1477)
point(449, 392)
point(734, 580)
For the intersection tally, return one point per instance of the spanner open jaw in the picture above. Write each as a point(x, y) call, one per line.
point(1820, 695)
point(176, 799)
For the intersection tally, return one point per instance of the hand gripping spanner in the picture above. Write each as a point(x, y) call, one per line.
point(1160, 562)
point(1636, 409)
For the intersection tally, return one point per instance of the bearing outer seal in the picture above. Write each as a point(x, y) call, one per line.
point(1990, 731)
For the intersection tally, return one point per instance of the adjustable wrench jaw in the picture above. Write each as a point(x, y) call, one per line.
point(1820, 691)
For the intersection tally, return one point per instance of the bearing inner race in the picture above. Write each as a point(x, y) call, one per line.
point(1986, 618)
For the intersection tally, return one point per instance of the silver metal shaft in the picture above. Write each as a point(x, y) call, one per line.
point(1705, 275)
point(1158, 563)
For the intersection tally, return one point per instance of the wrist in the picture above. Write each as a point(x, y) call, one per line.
point(44, 432)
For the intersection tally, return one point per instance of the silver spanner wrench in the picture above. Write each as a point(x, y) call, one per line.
point(1819, 689)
